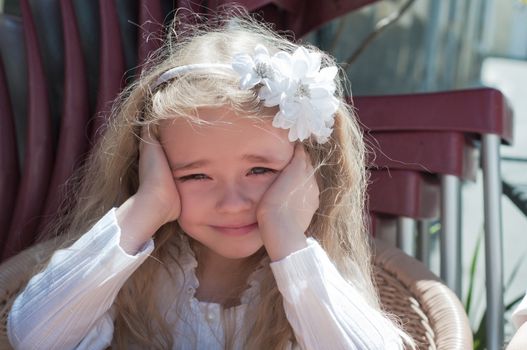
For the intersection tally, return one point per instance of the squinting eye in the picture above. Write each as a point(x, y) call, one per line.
point(261, 171)
point(197, 177)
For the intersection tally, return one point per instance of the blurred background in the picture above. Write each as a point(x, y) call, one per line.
point(439, 45)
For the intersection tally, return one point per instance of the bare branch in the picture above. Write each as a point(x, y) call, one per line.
point(378, 29)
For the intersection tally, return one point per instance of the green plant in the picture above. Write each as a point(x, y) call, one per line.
point(480, 336)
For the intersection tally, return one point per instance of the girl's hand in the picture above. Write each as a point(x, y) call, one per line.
point(156, 182)
point(156, 201)
point(287, 207)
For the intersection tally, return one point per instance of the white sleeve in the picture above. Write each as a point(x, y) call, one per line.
point(519, 316)
point(324, 310)
point(67, 305)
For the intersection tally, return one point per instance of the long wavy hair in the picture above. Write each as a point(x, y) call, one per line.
point(110, 177)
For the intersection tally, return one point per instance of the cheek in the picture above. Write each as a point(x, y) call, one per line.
point(192, 202)
point(258, 188)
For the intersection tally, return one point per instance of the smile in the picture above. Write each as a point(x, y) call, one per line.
point(236, 231)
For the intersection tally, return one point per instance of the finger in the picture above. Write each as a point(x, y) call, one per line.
point(312, 187)
point(304, 163)
point(299, 152)
point(147, 136)
point(297, 162)
point(302, 156)
point(149, 140)
point(143, 138)
point(310, 169)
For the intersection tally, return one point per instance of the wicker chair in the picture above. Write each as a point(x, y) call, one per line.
point(430, 312)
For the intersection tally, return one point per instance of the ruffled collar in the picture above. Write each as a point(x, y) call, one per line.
point(189, 264)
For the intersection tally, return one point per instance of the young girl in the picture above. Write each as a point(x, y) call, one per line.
point(222, 209)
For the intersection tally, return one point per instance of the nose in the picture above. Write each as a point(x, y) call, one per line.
point(233, 198)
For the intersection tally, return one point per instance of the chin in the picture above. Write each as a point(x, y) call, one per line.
point(237, 251)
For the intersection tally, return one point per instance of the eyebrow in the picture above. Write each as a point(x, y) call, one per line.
point(254, 158)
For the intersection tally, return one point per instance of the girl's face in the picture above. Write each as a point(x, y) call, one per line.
point(221, 172)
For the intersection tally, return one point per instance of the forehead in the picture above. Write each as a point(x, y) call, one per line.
point(220, 133)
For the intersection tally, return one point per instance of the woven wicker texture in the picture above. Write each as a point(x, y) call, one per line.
point(429, 311)
point(396, 300)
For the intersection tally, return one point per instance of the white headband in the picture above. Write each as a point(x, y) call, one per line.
point(295, 83)
point(174, 72)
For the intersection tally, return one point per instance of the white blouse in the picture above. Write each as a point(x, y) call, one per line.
point(69, 304)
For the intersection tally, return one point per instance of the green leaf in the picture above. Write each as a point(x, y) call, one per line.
point(514, 272)
point(480, 337)
point(472, 275)
point(513, 303)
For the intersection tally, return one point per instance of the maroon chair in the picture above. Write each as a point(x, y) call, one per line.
point(13, 92)
point(403, 196)
point(8, 158)
point(419, 190)
point(417, 151)
point(38, 158)
point(480, 114)
point(111, 64)
point(72, 138)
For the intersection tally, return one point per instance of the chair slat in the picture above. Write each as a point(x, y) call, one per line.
point(39, 152)
point(10, 174)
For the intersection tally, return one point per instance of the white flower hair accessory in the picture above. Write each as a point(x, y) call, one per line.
point(295, 83)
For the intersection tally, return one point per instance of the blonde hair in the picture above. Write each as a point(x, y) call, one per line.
point(110, 176)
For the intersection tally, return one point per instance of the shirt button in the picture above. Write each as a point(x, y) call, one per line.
point(210, 316)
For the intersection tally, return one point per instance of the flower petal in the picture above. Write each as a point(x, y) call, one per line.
point(282, 64)
point(290, 108)
point(242, 63)
point(282, 121)
point(326, 106)
point(261, 50)
point(249, 81)
point(328, 73)
point(299, 69)
point(318, 92)
point(272, 92)
point(293, 135)
point(314, 62)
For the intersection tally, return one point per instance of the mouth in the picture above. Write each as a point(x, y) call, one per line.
point(236, 230)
